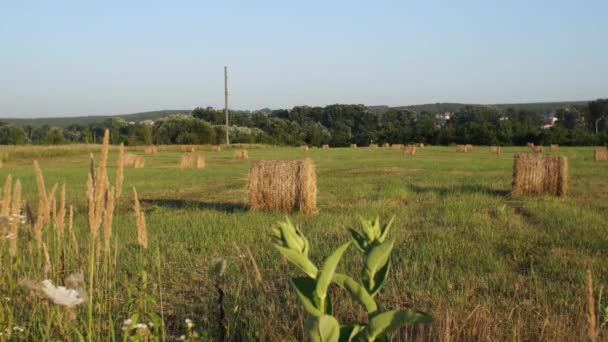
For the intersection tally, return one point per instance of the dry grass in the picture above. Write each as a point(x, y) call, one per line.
point(537, 149)
point(495, 150)
point(409, 150)
point(554, 147)
point(241, 154)
point(600, 154)
point(284, 185)
point(151, 149)
point(192, 161)
point(462, 148)
point(537, 174)
point(134, 161)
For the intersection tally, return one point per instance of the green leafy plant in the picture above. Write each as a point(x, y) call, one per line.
point(311, 289)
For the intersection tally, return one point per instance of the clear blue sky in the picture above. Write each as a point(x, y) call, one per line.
point(60, 58)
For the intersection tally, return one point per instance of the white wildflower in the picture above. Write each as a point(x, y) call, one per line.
point(141, 326)
point(182, 338)
point(18, 329)
point(189, 323)
point(61, 295)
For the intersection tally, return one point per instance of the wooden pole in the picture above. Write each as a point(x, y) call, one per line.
point(226, 103)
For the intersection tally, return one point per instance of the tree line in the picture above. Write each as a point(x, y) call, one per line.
point(339, 125)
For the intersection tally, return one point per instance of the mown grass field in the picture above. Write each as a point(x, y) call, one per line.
point(486, 265)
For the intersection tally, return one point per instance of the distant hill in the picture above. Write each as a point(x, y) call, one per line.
point(86, 120)
point(539, 107)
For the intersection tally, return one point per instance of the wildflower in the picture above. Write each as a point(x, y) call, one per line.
point(141, 326)
point(189, 323)
point(182, 338)
point(150, 324)
point(18, 329)
point(61, 295)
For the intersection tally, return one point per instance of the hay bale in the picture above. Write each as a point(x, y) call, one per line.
point(537, 174)
point(469, 147)
point(600, 154)
point(386, 145)
point(537, 149)
point(420, 145)
point(397, 146)
point(241, 154)
point(192, 161)
point(554, 147)
point(187, 148)
point(409, 150)
point(304, 148)
point(462, 148)
point(150, 149)
point(373, 145)
point(134, 161)
point(353, 145)
point(326, 147)
point(216, 148)
point(284, 185)
point(530, 144)
point(495, 150)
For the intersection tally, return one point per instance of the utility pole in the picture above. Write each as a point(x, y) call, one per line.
point(226, 103)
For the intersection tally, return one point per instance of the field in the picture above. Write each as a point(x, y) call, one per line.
point(486, 265)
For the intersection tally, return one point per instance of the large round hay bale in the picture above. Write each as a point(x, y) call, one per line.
point(304, 148)
point(462, 148)
point(187, 148)
point(216, 148)
point(373, 145)
point(150, 149)
point(192, 161)
point(530, 144)
point(537, 149)
point(538, 174)
point(326, 147)
point(554, 147)
point(241, 154)
point(409, 150)
point(134, 161)
point(284, 185)
point(397, 146)
point(353, 145)
point(495, 150)
point(600, 154)
point(386, 145)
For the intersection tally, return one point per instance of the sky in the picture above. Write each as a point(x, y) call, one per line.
point(69, 58)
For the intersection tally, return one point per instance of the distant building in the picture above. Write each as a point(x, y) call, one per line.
point(549, 122)
point(442, 119)
point(147, 122)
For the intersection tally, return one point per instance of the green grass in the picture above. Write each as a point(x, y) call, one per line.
point(487, 265)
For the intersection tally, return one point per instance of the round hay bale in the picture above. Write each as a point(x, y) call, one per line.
point(326, 147)
point(373, 146)
point(134, 161)
point(284, 185)
point(495, 150)
point(192, 161)
point(409, 150)
point(537, 149)
point(150, 149)
point(538, 174)
point(386, 145)
point(462, 148)
point(304, 148)
point(554, 147)
point(216, 148)
point(530, 144)
point(241, 154)
point(397, 146)
point(600, 154)
point(187, 148)
point(353, 145)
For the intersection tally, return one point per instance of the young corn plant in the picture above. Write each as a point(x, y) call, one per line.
point(311, 289)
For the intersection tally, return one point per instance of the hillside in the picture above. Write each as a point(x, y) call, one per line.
point(539, 107)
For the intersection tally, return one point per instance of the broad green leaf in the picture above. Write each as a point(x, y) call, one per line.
point(379, 278)
point(383, 323)
point(327, 272)
point(322, 329)
point(289, 236)
point(348, 332)
point(305, 288)
point(376, 259)
point(299, 261)
point(357, 292)
point(359, 239)
point(386, 229)
point(367, 229)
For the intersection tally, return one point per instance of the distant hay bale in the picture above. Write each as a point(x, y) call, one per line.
point(134, 161)
point(554, 147)
point(241, 154)
point(537, 149)
point(353, 145)
point(420, 145)
point(462, 148)
point(397, 146)
point(600, 154)
point(284, 185)
point(192, 161)
point(304, 148)
point(373, 145)
point(188, 148)
point(150, 149)
point(469, 147)
point(326, 147)
point(530, 144)
point(216, 148)
point(538, 174)
point(495, 150)
point(409, 150)
point(386, 145)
